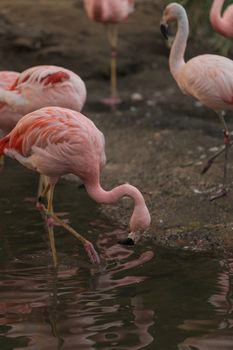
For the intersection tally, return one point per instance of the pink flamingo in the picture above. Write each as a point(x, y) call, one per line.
point(56, 141)
point(222, 24)
point(7, 80)
point(42, 86)
point(110, 13)
point(208, 78)
point(38, 87)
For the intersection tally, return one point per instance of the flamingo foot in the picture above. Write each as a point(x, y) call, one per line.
point(111, 101)
point(91, 252)
point(50, 221)
point(40, 206)
point(220, 194)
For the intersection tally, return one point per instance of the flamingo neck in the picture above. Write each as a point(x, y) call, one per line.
point(215, 14)
point(218, 22)
point(176, 59)
point(97, 193)
point(140, 218)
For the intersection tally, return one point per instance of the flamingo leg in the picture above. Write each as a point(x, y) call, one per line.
point(47, 190)
point(88, 246)
point(50, 223)
point(51, 217)
point(228, 144)
point(212, 159)
point(113, 61)
point(112, 34)
point(43, 191)
point(43, 182)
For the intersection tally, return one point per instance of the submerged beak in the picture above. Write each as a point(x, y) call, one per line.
point(164, 30)
point(132, 239)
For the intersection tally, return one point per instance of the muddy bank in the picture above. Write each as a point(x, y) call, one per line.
point(163, 155)
point(159, 144)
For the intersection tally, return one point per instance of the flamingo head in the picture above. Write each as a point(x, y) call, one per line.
point(139, 222)
point(172, 13)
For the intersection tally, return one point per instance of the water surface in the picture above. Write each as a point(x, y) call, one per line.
point(141, 298)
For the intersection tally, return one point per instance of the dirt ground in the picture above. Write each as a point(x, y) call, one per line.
point(160, 143)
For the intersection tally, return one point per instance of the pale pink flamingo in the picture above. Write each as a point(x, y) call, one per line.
point(38, 87)
point(42, 86)
point(56, 141)
point(222, 24)
point(7, 80)
point(208, 78)
point(110, 13)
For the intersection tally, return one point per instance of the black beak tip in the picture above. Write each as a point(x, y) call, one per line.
point(127, 241)
point(164, 30)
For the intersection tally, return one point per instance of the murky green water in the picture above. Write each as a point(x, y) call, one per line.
point(144, 298)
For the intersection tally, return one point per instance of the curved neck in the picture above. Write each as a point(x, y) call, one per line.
point(97, 193)
point(140, 218)
point(176, 59)
point(215, 13)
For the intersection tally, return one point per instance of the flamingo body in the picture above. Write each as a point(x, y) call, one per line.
point(42, 86)
point(208, 78)
point(108, 11)
point(56, 141)
point(222, 24)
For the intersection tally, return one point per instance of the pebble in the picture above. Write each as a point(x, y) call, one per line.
point(136, 97)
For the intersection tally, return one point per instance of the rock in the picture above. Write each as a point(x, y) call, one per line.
point(27, 43)
point(136, 97)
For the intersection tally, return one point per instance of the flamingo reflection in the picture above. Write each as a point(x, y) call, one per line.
point(100, 317)
point(82, 308)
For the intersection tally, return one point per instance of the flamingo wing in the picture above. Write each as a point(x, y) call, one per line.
point(56, 141)
point(209, 78)
point(41, 75)
point(53, 78)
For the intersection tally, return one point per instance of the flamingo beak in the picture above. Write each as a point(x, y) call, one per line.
point(164, 30)
point(132, 239)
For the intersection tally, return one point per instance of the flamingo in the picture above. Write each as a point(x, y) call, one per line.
point(208, 78)
point(7, 80)
point(110, 13)
point(42, 86)
point(222, 24)
point(55, 141)
point(37, 87)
